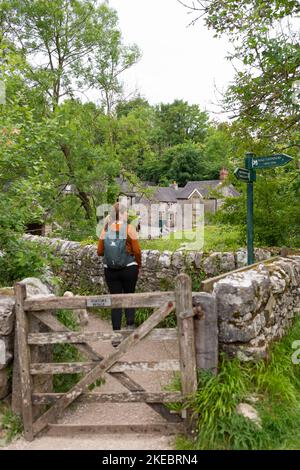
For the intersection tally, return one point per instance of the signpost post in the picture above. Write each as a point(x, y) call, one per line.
point(248, 175)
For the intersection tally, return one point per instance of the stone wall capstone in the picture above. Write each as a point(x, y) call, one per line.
point(256, 307)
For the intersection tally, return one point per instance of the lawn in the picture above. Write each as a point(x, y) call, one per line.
point(216, 238)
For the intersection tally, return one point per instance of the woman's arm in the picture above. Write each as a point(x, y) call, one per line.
point(100, 249)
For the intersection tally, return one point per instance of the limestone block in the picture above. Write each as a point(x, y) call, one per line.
point(241, 258)
point(6, 350)
point(7, 314)
point(152, 259)
point(178, 260)
point(249, 412)
point(165, 259)
point(198, 259)
point(261, 254)
point(229, 333)
point(278, 283)
point(240, 294)
point(35, 287)
point(227, 262)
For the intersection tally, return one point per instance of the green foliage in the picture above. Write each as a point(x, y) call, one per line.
point(187, 162)
point(20, 260)
point(143, 313)
point(217, 237)
point(276, 384)
point(11, 424)
point(68, 319)
point(261, 95)
point(66, 353)
point(276, 210)
point(64, 34)
point(180, 122)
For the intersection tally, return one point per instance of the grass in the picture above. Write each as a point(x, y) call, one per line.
point(216, 238)
point(66, 353)
point(10, 425)
point(276, 382)
point(141, 315)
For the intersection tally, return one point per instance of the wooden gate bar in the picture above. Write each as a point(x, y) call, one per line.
point(24, 360)
point(147, 300)
point(49, 320)
point(72, 429)
point(75, 337)
point(78, 367)
point(185, 323)
point(94, 397)
point(100, 369)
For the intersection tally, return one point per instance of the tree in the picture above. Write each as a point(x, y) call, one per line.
point(103, 69)
point(263, 94)
point(58, 37)
point(133, 139)
point(185, 162)
point(125, 107)
point(276, 209)
point(218, 149)
point(180, 122)
point(77, 160)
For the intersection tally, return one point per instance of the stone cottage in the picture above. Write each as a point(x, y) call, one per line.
point(169, 201)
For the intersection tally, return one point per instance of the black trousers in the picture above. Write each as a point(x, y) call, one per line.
point(121, 281)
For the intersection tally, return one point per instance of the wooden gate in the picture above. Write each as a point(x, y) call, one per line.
point(42, 309)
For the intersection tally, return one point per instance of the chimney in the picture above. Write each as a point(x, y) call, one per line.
point(174, 185)
point(224, 173)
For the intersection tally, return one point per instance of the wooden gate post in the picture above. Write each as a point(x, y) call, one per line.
point(24, 360)
point(185, 321)
point(40, 383)
point(206, 332)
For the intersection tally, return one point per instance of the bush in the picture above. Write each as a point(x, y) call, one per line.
point(20, 259)
point(276, 382)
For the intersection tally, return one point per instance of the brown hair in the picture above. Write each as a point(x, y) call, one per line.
point(117, 210)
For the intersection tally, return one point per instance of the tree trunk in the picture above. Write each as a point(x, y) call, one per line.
point(82, 195)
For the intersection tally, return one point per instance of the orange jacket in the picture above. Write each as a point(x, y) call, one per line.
point(132, 243)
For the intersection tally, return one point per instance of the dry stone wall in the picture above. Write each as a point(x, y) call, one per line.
point(254, 307)
point(82, 269)
point(257, 307)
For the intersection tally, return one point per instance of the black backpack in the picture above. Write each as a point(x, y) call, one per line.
point(115, 254)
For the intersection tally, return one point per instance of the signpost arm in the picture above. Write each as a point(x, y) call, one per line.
point(250, 217)
point(248, 175)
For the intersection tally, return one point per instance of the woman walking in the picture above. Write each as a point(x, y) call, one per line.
point(119, 245)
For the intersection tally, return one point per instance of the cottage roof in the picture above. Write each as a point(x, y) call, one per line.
point(165, 195)
point(171, 194)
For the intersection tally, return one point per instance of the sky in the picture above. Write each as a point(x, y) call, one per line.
point(178, 62)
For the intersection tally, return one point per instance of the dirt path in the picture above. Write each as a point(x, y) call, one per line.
point(123, 413)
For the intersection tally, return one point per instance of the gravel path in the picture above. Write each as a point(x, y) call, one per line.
point(116, 413)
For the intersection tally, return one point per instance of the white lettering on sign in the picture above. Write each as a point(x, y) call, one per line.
point(100, 302)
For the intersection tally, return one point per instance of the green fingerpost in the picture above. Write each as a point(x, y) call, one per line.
point(250, 216)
